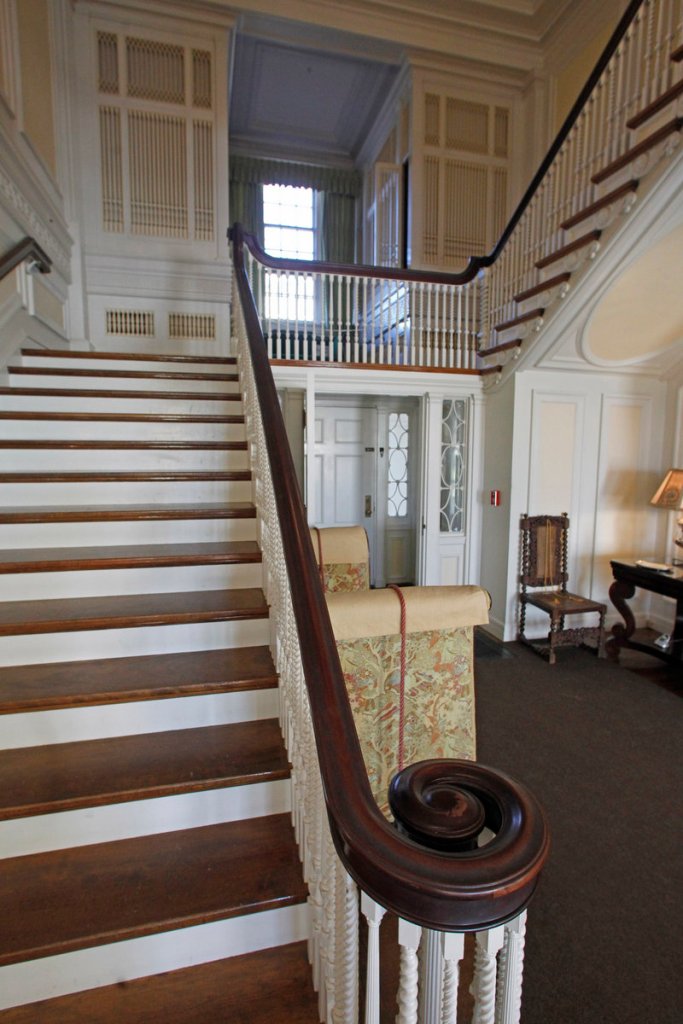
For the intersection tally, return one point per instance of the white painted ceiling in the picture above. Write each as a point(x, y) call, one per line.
point(303, 103)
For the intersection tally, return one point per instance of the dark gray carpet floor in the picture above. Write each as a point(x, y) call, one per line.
point(600, 745)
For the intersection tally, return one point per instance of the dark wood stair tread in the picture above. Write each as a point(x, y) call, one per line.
point(663, 100)
point(134, 446)
point(570, 247)
point(64, 900)
point(59, 371)
point(125, 513)
point(523, 318)
point(181, 396)
point(271, 985)
point(670, 128)
point(143, 357)
point(89, 773)
point(146, 677)
point(599, 204)
point(129, 611)
point(118, 417)
point(135, 556)
point(503, 347)
point(117, 476)
point(542, 286)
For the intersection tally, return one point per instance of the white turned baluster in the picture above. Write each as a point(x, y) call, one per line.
point(431, 977)
point(355, 321)
point(373, 914)
point(328, 937)
point(484, 982)
point(458, 331)
point(346, 961)
point(410, 317)
point(452, 950)
point(373, 317)
point(510, 970)
point(408, 987)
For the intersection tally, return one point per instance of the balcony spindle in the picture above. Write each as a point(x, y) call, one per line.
point(373, 914)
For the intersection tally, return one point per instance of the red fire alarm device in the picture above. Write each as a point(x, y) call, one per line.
point(495, 497)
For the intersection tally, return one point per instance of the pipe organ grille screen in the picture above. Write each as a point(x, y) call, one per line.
point(156, 138)
point(465, 178)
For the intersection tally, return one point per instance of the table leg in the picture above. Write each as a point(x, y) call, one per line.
point(619, 593)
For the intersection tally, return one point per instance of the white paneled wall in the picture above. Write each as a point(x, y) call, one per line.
point(592, 447)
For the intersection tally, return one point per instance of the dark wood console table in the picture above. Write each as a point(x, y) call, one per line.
point(628, 576)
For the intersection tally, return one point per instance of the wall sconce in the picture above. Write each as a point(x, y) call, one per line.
point(669, 495)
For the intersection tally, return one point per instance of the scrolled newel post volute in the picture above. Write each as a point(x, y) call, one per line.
point(492, 826)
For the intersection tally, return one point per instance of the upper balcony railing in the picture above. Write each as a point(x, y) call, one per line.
point(367, 316)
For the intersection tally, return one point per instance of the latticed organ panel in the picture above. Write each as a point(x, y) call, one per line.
point(156, 71)
point(467, 126)
point(108, 62)
point(157, 164)
point(111, 169)
point(501, 123)
point(201, 79)
point(465, 170)
point(158, 175)
point(202, 148)
point(431, 209)
point(432, 119)
point(499, 201)
point(465, 207)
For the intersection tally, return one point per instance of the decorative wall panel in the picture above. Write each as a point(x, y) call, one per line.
point(157, 151)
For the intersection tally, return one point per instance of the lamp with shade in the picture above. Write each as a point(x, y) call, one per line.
point(669, 495)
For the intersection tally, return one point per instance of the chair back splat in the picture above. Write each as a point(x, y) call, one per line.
point(543, 584)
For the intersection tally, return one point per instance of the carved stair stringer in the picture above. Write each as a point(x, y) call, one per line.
point(589, 232)
point(559, 343)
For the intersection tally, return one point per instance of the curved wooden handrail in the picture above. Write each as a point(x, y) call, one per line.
point(462, 891)
point(28, 248)
point(475, 263)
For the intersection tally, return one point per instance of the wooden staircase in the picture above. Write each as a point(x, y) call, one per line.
point(654, 135)
point(148, 855)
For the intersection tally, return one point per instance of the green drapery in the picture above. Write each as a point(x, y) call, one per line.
point(337, 190)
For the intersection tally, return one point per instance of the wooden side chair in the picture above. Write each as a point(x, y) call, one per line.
point(543, 584)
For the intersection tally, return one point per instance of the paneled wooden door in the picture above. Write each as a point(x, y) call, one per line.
point(343, 489)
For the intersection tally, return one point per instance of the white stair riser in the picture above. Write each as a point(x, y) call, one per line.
point(137, 958)
point(141, 365)
point(131, 819)
point(152, 460)
point(45, 648)
point(147, 404)
point(71, 725)
point(113, 430)
point(126, 492)
point(45, 586)
point(147, 531)
point(57, 380)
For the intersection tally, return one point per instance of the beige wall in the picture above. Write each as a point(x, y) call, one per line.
point(571, 79)
point(36, 85)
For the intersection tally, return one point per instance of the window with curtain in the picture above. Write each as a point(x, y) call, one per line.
point(335, 191)
point(289, 230)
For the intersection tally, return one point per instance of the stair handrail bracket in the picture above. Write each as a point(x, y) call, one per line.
point(464, 887)
point(26, 249)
